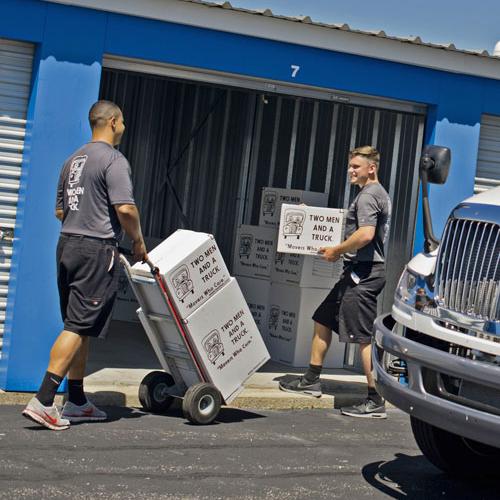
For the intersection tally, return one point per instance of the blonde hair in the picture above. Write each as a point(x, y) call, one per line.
point(368, 152)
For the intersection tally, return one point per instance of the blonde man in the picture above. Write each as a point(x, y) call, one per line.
point(351, 307)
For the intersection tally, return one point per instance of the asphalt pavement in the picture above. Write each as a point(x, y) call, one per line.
point(246, 454)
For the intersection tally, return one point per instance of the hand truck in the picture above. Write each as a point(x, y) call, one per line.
point(183, 375)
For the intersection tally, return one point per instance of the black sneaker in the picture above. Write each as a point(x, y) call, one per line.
point(301, 385)
point(367, 409)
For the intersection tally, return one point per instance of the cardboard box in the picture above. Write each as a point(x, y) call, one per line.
point(305, 270)
point(254, 251)
point(227, 340)
point(305, 229)
point(256, 293)
point(192, 266)
point(273, 198)
point(290, 326)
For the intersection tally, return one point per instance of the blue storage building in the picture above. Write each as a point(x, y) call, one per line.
point(218, 103)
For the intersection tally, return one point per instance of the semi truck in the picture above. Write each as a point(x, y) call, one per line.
point(436, 356)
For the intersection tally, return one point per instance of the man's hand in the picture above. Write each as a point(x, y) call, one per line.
point(139, 251)
point(331, 254)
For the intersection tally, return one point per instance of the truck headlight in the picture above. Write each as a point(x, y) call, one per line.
point(407, 287)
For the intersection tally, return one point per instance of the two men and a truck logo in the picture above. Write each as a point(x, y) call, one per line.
point(279, 258)
point(269, 203)
point(274, 316)
point(182, 283)
point(294, 223)
point(246, 242)
point(213, 346)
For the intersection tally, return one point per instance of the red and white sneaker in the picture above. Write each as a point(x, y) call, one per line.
point(84, 413)
point(48, 416)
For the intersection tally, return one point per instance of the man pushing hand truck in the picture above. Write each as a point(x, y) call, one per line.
point(95, 204)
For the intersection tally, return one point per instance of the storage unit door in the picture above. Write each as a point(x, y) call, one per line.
point(488, 158)
point(16, 60)
point(201, 153)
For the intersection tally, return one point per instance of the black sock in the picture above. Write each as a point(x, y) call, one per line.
point(48, 389)
point(312, 374)
point(375, 396)
point(75, 392)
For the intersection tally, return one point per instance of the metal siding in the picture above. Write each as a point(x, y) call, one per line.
point(184, 128)
point(488, 159)
point(16, 60)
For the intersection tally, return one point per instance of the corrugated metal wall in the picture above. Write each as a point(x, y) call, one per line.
point(243, 141)
point(488, 159)
point(16, 60)
point(304, 144)
point(188, 147)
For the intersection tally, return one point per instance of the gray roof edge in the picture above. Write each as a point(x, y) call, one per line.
point(344, 27)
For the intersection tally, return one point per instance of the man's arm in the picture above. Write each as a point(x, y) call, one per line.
point(60, 213)
point(360, 238)
point(128, 215)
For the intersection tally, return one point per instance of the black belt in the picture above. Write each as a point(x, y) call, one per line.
point(104, 241)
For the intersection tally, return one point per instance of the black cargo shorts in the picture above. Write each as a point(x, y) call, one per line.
point(87, 278)
point(351, 307)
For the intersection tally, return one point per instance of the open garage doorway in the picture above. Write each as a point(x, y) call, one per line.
point(201, 153)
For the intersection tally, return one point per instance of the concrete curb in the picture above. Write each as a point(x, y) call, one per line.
point(268, 399)
point(120, 386)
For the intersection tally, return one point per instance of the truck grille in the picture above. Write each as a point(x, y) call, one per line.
point(468, 271)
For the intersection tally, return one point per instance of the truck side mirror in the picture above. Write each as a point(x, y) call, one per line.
point(434, 167)
point(435, 161)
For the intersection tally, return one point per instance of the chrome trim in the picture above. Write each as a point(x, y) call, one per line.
point(413, 399)
point(468, 262)
point(479, 212)
point(479, 332)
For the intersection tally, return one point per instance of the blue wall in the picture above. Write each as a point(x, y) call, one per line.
point(70, 46)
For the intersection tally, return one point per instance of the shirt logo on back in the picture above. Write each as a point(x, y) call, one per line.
point(75, 172)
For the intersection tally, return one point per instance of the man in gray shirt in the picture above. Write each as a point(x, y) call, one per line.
point(351, 307)
point(94, 203)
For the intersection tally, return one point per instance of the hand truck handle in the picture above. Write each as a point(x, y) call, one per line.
point(125, 251)
point(154, 270)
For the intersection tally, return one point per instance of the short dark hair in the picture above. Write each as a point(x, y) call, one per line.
point(101, 111)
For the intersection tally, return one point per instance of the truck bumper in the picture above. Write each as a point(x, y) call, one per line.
point(413, 398)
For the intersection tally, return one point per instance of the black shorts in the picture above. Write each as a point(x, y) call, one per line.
point(351, 308)
point(87, 278)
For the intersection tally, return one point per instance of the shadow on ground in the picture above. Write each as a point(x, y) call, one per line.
point(414, 477)
point(126, 346)
point(226, 415)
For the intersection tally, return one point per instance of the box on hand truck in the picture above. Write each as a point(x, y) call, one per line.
point(199, 325)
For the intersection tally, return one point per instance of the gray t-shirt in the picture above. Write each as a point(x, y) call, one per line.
point(371, 207)
point(92, 180)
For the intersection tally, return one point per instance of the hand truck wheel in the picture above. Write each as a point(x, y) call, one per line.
point(201, 403)
point(154, 392)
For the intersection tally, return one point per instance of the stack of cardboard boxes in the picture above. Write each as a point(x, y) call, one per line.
point(283, 289)
point(211, 307)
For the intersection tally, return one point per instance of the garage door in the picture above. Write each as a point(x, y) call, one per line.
point(201, 153)
point(16, 61)
point(488, 159)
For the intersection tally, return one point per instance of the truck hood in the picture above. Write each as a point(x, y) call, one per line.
point(490, 197)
